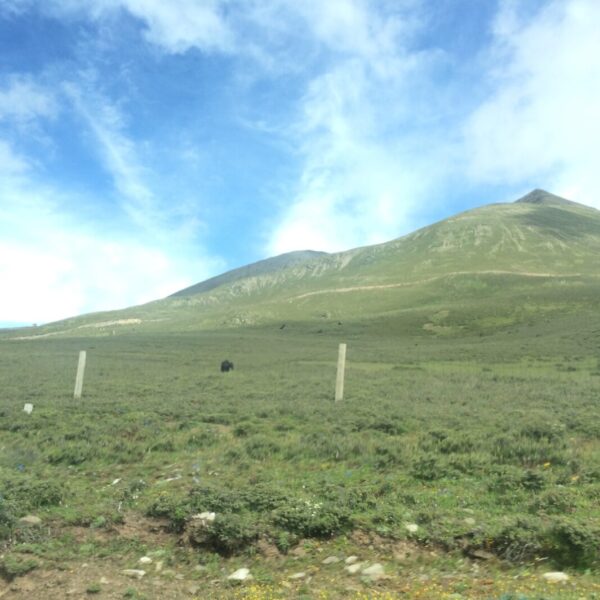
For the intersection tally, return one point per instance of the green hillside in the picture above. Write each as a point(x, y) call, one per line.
point(494, 265)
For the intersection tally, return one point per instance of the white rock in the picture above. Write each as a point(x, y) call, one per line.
point(555, 577)
point(412, 527)
point(28, 408)
point(145, 560)
point(470, 521)
point(116, 481)
point(355, 568)
point(30, 520)
point(375, 571)
point(135, 573)
point(104, 581)
point(351, 560)
point(331, 560)
point(240, 575)
point(300, 575)
point(205, 518)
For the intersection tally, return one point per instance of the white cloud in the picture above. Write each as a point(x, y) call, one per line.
point(53, 266)
point(355, 129)
point(119, 155)
point(179, 25)
point(542, 120)
point(11, 163)
point(22, 100)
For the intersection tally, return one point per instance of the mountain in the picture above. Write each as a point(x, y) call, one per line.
point(263, 267)
point(491, 267)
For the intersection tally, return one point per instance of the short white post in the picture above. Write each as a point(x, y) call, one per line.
point(80, 373)
point(341, 367)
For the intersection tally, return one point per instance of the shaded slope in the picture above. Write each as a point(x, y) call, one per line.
point(263, 267)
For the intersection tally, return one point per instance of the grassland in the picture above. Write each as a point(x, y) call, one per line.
point(487, 440)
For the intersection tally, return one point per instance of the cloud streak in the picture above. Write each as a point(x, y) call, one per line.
point(542, 118)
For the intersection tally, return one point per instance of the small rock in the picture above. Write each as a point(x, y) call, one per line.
point(300, 575)
point(158, 566)
point(145, 560)
point(331, 560)
point(134, 573)
point(240, 575)
point(205, 517)
point(115, 481)
point(355, 568)
point(470, 521)
point(31, 521)
point(412, 527)
point(180, 577)
point(193, 589)
point(555, 577)
point(104, 581)
point(28, 408)
point(375, 571)
point(481, 554)
point(351, 560)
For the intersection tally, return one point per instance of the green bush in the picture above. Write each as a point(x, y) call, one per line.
point(228, 534)
point(13, 565)
point(573, 544)
point(308, 518)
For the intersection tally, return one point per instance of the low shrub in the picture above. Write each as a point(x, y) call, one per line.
point(308, 518)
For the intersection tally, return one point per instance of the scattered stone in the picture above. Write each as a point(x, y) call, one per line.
point(28, 408)
point(158, 566)
point(116, 481)
point(145, 560)
point(555, 577)
point(179, 576)
point(104, 581)
point(331, 560)
point(470, 521)
point(351, 560)
point(30, 521)
point(193, 590)
point(481, 554)
point(355, 568)
point(300, 575)
point(298, 552)
point(375, 571)
point(204, 518)
point(412, 527)
point(134, 573)
point(240, 575)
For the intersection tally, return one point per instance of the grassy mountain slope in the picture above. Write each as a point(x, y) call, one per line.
point(263, 267)
point(497, 265)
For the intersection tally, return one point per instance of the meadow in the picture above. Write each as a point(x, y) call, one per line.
point(479, 452)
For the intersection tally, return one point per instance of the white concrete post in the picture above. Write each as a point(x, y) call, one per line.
point(80, 373)
point(341, 367)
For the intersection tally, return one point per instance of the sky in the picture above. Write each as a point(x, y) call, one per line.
point(148, 145)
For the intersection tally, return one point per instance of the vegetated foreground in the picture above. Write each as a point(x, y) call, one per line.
point(466, 466)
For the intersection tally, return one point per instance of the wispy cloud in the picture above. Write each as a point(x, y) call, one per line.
point(541, 120)
point(23, 100)
point(75, 266)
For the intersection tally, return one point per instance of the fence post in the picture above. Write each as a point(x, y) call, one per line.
point(80, 373)
point(341, 367)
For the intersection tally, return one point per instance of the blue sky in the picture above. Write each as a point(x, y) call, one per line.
point(147, 145)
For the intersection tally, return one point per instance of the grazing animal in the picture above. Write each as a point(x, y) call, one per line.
point(226, 366)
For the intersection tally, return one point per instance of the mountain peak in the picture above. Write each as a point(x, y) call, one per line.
point(538, 196)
